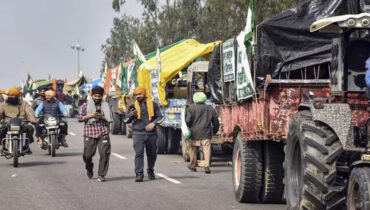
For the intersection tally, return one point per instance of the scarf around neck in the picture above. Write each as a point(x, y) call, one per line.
point(91, 108)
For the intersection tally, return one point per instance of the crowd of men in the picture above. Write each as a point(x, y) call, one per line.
point(96, 115)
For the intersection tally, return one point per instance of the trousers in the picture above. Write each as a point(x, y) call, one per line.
point(104, 147)
point(149, 142)
point(206, 148)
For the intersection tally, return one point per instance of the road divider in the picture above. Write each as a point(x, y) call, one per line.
point(119, 156)
point(168, 178)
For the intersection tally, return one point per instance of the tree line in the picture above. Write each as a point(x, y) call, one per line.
point(173, 20)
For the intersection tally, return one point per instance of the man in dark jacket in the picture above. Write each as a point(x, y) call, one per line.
point(203, 123)
point(144, 115)
point(53, 107)
point(39, 99)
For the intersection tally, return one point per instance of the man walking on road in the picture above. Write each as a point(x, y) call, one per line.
point(203, 123)
point(144, 115)
point(96, 115)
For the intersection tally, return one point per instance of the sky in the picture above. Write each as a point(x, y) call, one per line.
point(36, 37)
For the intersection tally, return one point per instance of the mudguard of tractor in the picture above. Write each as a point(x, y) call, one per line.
point(338, 117)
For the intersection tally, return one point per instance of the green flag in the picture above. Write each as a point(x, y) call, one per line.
point(76, 89)
point(250, 27)
point(137, 52)
point(119, 76)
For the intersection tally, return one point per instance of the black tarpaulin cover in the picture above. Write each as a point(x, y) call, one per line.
point(284, 42)
point(214, 75)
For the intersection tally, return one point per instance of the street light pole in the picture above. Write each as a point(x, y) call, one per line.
point(79, 48)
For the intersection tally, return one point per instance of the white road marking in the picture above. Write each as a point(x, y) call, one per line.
point(168, 178)
point(71, 133)
point(119, 156)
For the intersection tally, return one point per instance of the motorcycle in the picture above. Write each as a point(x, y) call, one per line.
point(15, 140)
point(50, 132)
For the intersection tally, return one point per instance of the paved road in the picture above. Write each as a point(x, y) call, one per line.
point(42, 182)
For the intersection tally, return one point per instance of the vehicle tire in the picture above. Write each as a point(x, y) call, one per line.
point(185, 149)
point(358, 189)
point(123, 128)
point(162, 139)
point(311, 154)
point(247, 170)
point(116, 124)
point(174, 139)
point(273, 172)
point(15, 152)
point(227, 148)
point(129, 130)
point(54, 142)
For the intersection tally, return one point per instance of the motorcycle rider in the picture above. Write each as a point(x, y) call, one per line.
point(53, 107)
point(38, 100)
point(15, 107)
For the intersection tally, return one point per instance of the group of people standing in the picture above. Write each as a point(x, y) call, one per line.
point(96, 115)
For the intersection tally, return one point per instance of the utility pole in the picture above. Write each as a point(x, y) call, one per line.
point(79, 48)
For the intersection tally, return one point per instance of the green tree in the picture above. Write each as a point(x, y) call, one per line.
point(204, 20)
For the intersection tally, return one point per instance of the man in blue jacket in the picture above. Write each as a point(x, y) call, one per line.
point(53, 107)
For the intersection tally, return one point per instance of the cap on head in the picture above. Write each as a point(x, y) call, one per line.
point(140, 90)
point(14, 92)
point(199, 97)
point(50, 93)
point(97, 90)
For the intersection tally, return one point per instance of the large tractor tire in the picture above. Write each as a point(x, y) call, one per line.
point(174, 139)
point(311, 154)
point(123, 130)
point(162, 139)
point(273, 187)
point(116, 125)
point(129, 130)
point(185, 145)
point(359, 189)
point(247, 170)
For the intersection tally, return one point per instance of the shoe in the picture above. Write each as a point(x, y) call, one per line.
point(207, 170)
point(29, 152)
point(139, 177)
point(151, 174)
point(192, 169)
point(44, 146)
point(90, 174)
point(101, 179)
point(64, 143)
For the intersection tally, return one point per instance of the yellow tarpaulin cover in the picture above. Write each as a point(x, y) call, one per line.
point(173, 61)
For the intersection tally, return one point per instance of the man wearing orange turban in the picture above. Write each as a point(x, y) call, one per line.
point(144, 115)
point(15, 107)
